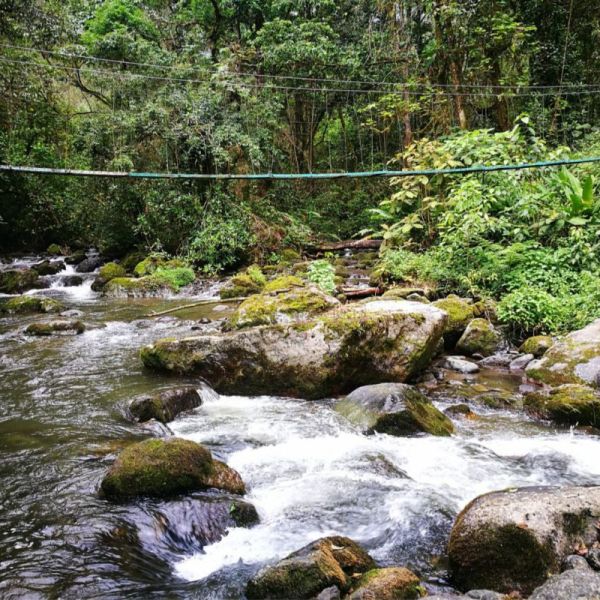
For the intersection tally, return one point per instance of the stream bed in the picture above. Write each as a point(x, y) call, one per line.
point(308, 472)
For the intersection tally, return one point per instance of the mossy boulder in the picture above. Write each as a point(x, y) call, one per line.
point(49, 267)
point(111, 271)
point(16, 281)
point(152, 263)
point(284, 283)
point(332, 354)
point(31, 305)
point(480, 337)
point(163, 468)
point(513, 540)
point(289, 255)
point(391, 583)
point(67, 327)
point(268, 309)
point(573, 359)
point(568, 404)
point(460, 314)
point(166, 405)
point(394, 408)
point(131, 260)
point(537, 345)
point(142, 287)
point(330, 561)
point(241, 286)
point(54, 250)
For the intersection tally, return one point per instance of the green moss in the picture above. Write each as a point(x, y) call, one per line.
point(559, 363)
point(256, 275)
point(31, 304)
point(44, 329)
point(174, 277)
point(130, 261)
point(459, 313)
point(283, 283)
point(289, 255)
point(400, 293)
point(18, 280)
point(133, 287)
point(480, 337)
point(152, 263)
point(112, 270)
point(54, 250)
point(568, 404)
point(392, 583)
point(537, 345)
point(244, 285)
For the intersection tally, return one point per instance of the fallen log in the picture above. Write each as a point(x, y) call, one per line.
point(361, 292)
point(193, 305)
point(347, 245)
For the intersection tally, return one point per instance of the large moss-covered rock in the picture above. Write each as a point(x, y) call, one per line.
point(268, 309)
point(569, 404)
point(163, 468)
point(241, 286)
point(31, 305)
point(142, 287)
point(166, 405)
point(460, 314)
point(574, 359)
point(392, 583)
point(537, 345)
point(394, 408)
point(111, 271)
point(16, 281)
point(332, 354)
point(69, 327)
point(480, 337)
point(513, 540)
point(327, 562)
point(152, 263)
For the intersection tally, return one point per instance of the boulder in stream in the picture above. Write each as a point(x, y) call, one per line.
point(137, 287)
point(460, 313)
point(30, 305)
point(391, 583)
point(68, 327)
point(569, 404)
point(573, 359)
point(163, 468)
point(480, 337)
point(574, 584)
point(394, 408)
point(89, 264)
point(327, 562)
point(514, 539)
point(537, 345)
point(49, 267)
point(354, 345)
point(165, 405)
point(16, 281)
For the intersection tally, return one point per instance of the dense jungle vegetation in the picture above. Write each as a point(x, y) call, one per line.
point(242, 86)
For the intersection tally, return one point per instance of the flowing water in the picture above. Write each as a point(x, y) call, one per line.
point(308, 472)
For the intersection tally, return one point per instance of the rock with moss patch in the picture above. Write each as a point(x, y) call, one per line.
point(131, 260)
point(289, 255)
point(241, 286)
point(480, 337)
point(64, 327)
point(49, 267)
point(330, 561)
point(166, 405)
point(31, 305)
point(573, 359)
point(537, 345)
point(111, 271)
point(394, 408)
point(403, 292)
point(332, 354)
point(16, 281)
point(163, 468)
point(391, 583)
point(568, 404)
point(268, 309)
point(460, 314)
point(284, 283)
point(54, 250)
point(512, 540)
point(142, 287)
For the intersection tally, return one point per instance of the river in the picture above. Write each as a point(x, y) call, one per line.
point(308, 472)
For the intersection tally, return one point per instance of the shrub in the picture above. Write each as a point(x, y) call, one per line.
point(322, 273)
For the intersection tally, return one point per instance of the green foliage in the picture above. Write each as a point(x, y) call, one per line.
point(322, 273)
point(176, 277)
point(256, 275)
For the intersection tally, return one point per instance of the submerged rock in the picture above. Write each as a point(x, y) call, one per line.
point(568, 404)
point(480, 337)
point(17, 281)
point(47, 267)
point(394, 408)
point(512, 540)
point(89, 264)
point(575, 584)
point(537, 345)
point(30, 305)
point(166, 405)
point(392, 583)
point(329, 355)
point(328, 562)
point(55, 327)
point(574, 359)
point(163, 468)
point(72, 280)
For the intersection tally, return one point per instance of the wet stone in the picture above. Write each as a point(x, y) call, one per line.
point(574, 561)
point(459, 364)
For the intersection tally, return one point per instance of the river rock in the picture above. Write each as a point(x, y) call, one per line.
point(512, 540)
point(392, 583)
point(89, 264)
point(574, 359)
point(537, 345)
point(568, 404)
point(16, 281)
point(345, 348)
point(460, 313)
point(49, 267)
point(136, 287)
point(327, 562)
point(593, 558)
point(394, 408)
point(480, 337)
point(459, 364)
point(69, 327)
point(576, 584)
point(574, 561)
point(520, 363)
point(163, 468)
point(72, 280)
point(166, 405)
point(30, 305)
